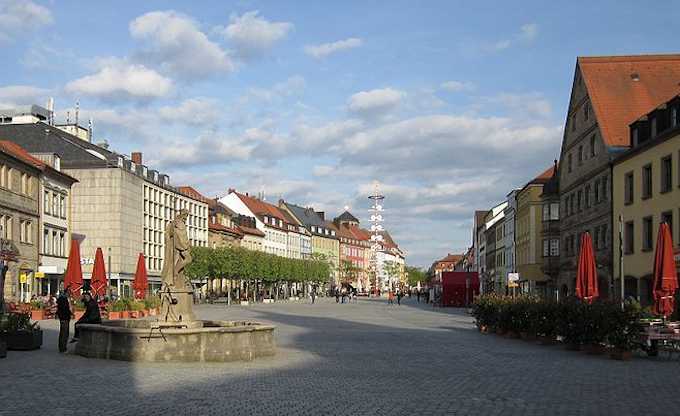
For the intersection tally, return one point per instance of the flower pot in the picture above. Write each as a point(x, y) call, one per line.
point(621, 355)
point(3, 349)
point(114, 315)
point(79, 314)
point(37, 314)
point(595, 349)
point(125, 314)
point(134, 314)
point(22, 340)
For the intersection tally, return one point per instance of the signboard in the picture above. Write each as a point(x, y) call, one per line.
point(513, 277)
point(85, 261)
point(39, 275)
point(23, 278)
point(512, 285)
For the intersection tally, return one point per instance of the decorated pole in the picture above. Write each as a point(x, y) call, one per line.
point(376, 211)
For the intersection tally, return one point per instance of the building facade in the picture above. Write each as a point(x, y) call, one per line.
point(608, 93)
point(509, 229)
point(646, 192)
point(550, 232)
point(19, 220)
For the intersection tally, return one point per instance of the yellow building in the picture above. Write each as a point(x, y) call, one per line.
point(646, 192)
point(529, 246)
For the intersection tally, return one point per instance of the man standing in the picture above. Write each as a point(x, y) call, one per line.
point(64, 315)
point(313, 294)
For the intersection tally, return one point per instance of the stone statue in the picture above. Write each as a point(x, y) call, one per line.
point(176, 294)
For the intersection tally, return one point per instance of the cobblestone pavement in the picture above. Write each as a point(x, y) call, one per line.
point(364, 358)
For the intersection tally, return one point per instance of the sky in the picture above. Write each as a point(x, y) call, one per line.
point(448, 105)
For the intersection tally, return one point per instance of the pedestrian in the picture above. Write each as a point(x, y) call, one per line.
point(390, 297)
point(91, 315)
point(418, 295)
point(343, 294)
point(399, 296)
point(313, 295)
point(64, 315)
point(337, 295)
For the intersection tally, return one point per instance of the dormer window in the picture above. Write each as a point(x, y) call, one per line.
point(653, 127)
point(635, 136)
point(674, 116)
point(120, 161)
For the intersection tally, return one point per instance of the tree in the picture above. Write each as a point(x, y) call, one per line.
point(348, 271)
point(393, 270)
point(415, 275)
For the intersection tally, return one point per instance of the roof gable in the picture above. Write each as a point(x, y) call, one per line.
point(622, 88)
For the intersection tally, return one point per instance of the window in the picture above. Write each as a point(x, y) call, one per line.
point(569, 163)
point(46, 242)
point(3, 176)
point(667, 217)
point(546, 248)
point(55, 205)
point(26, 232)
point(629, 238)
point(62, 247)
point(646, 233)
point(596, 190)
point(666, 174)
point(592, 146)
point(6, 227)
point(586, 112)
point(24, 184)
point(546, 212)
point(647, 181)
point(587, 196)
point(605, 189)
point(554, 247)
point(62, 206)
point(653, 127)
point(603, 236)
point(554, 211)
point(10, 179)
point(674, 116)
point(571, 204)
point(579, 200)
point(580, 155)
point(628, 188)
point(46, 202)
point(635, 136)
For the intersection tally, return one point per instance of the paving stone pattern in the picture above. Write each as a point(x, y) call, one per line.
point(352, 359)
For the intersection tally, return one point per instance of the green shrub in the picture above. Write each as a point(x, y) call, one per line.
point(16, 322)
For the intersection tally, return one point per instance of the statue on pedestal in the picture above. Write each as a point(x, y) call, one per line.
point(176, 294)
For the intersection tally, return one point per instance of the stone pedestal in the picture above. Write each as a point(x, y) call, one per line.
point(177, 306)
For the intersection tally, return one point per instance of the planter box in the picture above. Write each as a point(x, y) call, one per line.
point(22, 340)
point(3, 349)
point(124, 314)
point(78, 314)
point(37, 314)
point(621, 355)
point(114, 315)
point(595, 349)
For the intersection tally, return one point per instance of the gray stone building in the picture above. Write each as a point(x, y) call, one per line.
point(19, 219)
point(118, 204)
point(608, 93)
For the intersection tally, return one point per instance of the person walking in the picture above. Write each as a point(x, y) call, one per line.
point(91, 315)
point(337, 295)
point(313, 295)
point(418, 295)
point(64, 315)
point(390, 297)
point(399, 296)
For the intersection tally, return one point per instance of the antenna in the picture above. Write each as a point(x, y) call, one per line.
point(68, 117)
point(90, 129)
point(77, 111)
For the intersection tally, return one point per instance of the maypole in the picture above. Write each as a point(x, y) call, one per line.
point(376, 211)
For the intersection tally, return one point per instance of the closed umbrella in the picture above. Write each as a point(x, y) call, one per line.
point(586, 275)
point(98, 281)
point(73, 278)
point(141, 282)
point(665, 275)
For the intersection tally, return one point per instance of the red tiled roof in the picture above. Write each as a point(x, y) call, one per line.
point(451, 258)
point(251, 231)
point(360, 233)
point(261, 208)
point(219, 227)
point(618, 99)
point(20, 153)
point(192, 193)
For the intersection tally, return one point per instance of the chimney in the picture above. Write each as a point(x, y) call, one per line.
point(136, 157)
point(231, 191)
point(322, 215)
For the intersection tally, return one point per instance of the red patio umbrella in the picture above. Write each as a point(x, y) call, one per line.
point(665, 275)
point(586, 275)
point(98, 281)
point(141, 282)
point(73, 278)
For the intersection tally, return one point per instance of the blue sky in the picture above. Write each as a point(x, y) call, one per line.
point(448, 104)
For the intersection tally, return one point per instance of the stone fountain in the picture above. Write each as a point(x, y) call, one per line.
point(176, 335)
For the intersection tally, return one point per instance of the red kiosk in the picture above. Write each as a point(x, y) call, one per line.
point(458, 289)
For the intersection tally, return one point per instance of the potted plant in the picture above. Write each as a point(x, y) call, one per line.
point(115, 309)
point(19, 333)
point(625, 328)
point(544, 322)
point(79, 309)
point(37, 310)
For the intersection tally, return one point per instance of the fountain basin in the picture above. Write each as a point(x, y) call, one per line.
point(203, 341)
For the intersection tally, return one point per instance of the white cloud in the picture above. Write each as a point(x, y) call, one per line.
point(325, 49)
point(529, 104)
point(527, 33)
point(290, 87)
point(375, 102)
point(193, 111)
point(13, 95)
point(18, 16)
point(253, 35)
point(121, 80)
point(178, 46)
point(457, 86)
